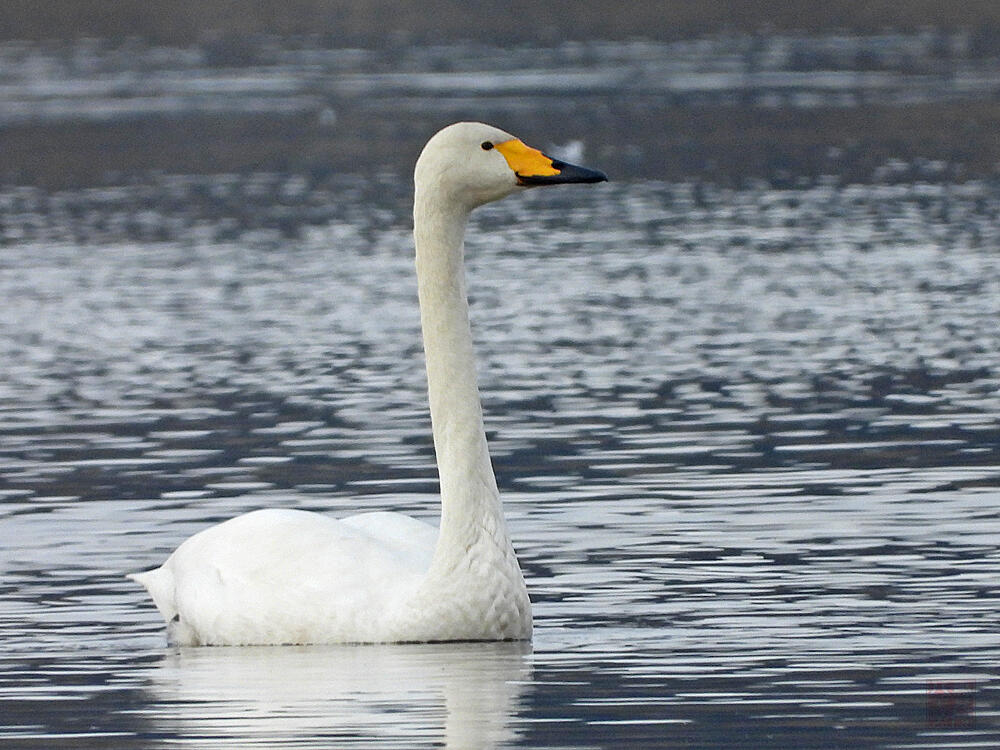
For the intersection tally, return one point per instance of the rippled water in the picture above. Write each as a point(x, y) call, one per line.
point(748, 443)
point(91, 80)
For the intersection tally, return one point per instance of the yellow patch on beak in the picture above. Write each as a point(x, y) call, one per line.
point(526, 161)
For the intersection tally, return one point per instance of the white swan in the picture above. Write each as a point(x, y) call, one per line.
point(290, 576)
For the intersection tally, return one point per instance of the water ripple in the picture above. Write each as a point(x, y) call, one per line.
point(747, 440)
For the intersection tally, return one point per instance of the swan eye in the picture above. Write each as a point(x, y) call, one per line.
point(486, 145)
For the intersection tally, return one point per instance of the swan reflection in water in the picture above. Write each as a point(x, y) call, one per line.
point(453, 695)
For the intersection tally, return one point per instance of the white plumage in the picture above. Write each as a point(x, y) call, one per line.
point(289, 576)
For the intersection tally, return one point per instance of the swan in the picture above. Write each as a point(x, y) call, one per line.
point(284, 576)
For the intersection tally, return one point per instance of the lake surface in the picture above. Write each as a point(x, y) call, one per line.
point(748, 441)
point(720, 109)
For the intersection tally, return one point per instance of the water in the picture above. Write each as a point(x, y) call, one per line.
point(747, 440)
point(95, 81)
point(777, 106)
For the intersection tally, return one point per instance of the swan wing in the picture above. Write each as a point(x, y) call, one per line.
point(288, 576)
point(406, 536)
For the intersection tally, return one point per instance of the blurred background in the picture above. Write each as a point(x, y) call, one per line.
point(95, 93)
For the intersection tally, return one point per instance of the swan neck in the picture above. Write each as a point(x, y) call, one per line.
point(470, 500)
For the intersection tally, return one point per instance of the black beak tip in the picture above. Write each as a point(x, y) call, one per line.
point(568, 173)
point(575, 173)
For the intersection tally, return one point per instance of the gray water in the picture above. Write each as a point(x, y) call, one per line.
point(747, 440)
point(95, 81)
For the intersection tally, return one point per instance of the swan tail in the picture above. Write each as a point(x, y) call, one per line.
point(159, 582)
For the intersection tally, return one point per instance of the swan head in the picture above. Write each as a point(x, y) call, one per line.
point(471, 163)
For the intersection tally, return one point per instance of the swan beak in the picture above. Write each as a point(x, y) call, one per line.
point(532, 167)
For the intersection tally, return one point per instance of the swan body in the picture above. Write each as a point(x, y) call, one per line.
point(283, 576)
